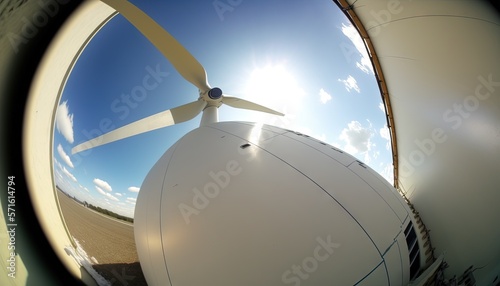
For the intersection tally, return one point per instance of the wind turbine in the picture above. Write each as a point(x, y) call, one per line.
point(235, 203)
point(210, 98)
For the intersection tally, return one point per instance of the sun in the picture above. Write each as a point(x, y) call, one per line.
point(275, 86)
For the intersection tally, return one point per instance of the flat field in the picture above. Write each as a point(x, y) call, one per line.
point(107, 241)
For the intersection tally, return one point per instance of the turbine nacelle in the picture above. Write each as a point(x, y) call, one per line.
point(213, 97)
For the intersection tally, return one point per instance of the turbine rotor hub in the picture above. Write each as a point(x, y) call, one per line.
point(215, 93)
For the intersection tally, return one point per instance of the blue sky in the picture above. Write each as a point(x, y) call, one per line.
point(303, 59)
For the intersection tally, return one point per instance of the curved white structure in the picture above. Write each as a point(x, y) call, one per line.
point(434, 55)
point(237, 203)
point(440, 62)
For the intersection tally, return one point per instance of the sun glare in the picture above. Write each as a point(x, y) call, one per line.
point(275, 87)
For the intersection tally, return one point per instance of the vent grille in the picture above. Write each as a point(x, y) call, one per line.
point(413, 250)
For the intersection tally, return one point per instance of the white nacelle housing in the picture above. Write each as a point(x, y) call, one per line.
point(237, 203)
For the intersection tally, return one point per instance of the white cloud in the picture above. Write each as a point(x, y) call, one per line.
point(382, 107)
point(324, 97)
point(350, 83)
point(388, 173)
point(386, 134)
point(108, 195)
point(57, 163)
point(64, 156)
point(58, 174)
point(100, 190)
point(134, 189)
point(357, 138)
point(64, 121)
point(112, 197)
point(364, 63)
point(103, 185)
point(118, 194)
point(131, 199)
point(67, 173)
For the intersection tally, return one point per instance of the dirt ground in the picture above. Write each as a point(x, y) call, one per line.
point(108, 242)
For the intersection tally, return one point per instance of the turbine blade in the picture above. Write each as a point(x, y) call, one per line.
point(245, 104)
point(163, 119)
point(187, 65)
